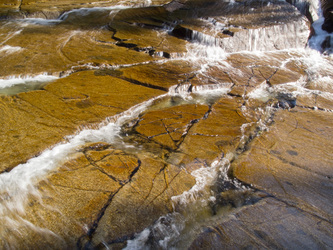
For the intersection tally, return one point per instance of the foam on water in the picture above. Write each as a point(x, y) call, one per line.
point(320, 37)
point(199, 195)
point(173, 230)
point(18, 185)
point(83, 12)
point(202, 93)
point(7, 49)
point(10, 35)
point(15, 80)
point(38, 21)
point(204, 47)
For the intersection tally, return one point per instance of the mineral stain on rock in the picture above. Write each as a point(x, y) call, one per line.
point(292, 152)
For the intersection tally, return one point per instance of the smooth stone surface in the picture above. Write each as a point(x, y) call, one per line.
point(278, 226)
point(59, 110)
point(294, 151)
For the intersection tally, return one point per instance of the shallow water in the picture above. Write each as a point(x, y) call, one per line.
point(194, 208)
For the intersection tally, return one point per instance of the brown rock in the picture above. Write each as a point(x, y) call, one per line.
point(215, 135)
point(169, 126)
point(62, 47)
point(160, 75)
point(267, 224)
point(295, 151)
point(59, 110)
point(141, 201)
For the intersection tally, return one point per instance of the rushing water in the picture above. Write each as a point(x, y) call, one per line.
point(192, 208)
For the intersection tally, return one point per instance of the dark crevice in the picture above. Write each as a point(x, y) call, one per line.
point(314, 108)
point(135, 170)
point(166, 185)
point(191, 124)
point(84, 241)
point(301, 210)
point(269, 78)
point(152, 183)
point(296, 165)
point(105, 173)
point(234, 95)
point(148, 85)
point(123, 43)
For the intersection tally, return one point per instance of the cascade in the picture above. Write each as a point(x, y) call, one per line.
point(158, 124)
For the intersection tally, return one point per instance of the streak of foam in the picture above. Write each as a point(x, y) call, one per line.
point(14, 80)
point(19, 182)
point(7, 49)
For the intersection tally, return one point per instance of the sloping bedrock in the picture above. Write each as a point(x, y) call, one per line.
point(61, 49)
point(213, 136)
point(163, 75)
point(252, 69)
point(68, 202)
point(140, 202)
point(100, 195)
point(53, 8)
point(291, 164)
point(145, 29)
point(269, 223)
point(259, 23)
point(292, 161)
point(169, 126)
point(34, 121)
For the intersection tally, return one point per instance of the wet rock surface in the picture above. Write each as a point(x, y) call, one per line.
point(327, 7)
point(148, 97)
point(278, 226)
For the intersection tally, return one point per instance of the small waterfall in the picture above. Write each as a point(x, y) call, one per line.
point(205, 46)
point(276, 37)
point(194, 207)
point(191, 210)
point(321, 40)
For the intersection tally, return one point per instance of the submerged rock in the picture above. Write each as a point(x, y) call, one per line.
point(266, 112)
point(49, 115)
point(278, 226)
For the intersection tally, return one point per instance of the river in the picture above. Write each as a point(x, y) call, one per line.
point(134, 125)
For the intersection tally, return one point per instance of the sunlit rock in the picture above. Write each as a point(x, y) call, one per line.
point(144, 110)
point(170, 126)
point(61, 109)
point(298, 144)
